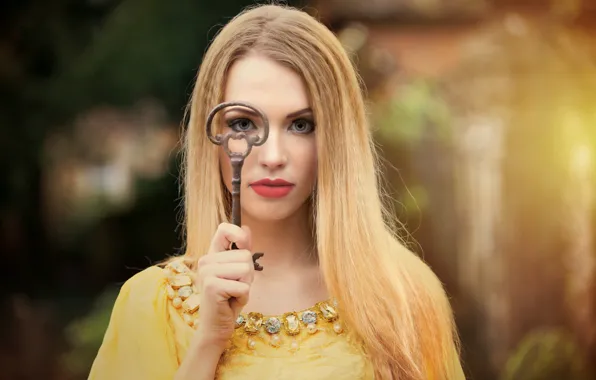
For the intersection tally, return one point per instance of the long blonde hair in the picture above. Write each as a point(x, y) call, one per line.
point(387, 296)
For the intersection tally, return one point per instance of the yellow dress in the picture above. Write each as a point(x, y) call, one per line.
point(153, 321)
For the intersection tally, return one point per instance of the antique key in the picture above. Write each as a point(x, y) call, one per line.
point(237, 158)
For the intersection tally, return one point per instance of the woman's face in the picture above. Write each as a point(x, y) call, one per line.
point(278, 176)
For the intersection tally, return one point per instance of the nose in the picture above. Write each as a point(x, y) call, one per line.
point(272, 154)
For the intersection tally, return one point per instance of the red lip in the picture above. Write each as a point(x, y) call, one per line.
point(271, 182)
point(268, 188)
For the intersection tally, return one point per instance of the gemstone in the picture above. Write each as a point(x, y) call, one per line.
point(338, 328)
point(180, 281)
point(328, 311)
point(185, 292)
point(188, 319)
point(251, 344)
point(178, 267)
point(253, 323)
point(239, 321)
point(177, 302)
point(311, 328)
point(273, 325)
point(191, 304)
point(170, 292)
point(275, 340)
point(291, 323)
point(309, 317)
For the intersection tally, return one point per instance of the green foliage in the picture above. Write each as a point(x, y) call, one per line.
point(146, 48)
point(546, 355)
point(415, 112)
point(85, 335)
point(416, 109)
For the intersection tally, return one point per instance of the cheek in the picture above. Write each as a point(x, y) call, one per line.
point(310, 161)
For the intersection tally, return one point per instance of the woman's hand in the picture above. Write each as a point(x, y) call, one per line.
point(224, 280)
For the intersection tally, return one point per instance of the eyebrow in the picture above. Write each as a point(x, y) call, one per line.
point(300, 112)
point(253, 113)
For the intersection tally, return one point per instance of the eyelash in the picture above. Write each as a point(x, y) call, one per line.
point(232, 122)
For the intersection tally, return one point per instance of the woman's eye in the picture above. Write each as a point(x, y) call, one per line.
point(241, 125)
point(303, 126)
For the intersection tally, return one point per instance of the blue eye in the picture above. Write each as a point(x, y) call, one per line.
point(303, 126)
point(241, 125)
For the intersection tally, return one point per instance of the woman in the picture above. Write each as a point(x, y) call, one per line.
point(339, 297)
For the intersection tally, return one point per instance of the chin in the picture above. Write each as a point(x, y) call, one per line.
point(270, 212)
point(273, 211)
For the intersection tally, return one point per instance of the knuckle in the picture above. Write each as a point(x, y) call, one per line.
point(222, 229)
point(234, 230)
point(246, 255)
point(244, 289)
point(210, 285)
point(202, 261)
point(243, 269)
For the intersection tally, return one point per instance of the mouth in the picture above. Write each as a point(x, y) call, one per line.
point(268, 188)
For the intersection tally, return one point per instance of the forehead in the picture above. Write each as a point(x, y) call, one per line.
point(267, 84)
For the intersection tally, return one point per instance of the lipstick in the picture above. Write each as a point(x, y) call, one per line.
point(272, 188)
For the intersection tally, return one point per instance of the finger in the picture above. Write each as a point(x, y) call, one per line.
point(222, 290)
point(237, 304)
point(248, 233)
point(240, 244)
point(233, 256)
point(225, 235)
point(242, 272)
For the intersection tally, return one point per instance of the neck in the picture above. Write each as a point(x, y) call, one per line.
point(287, 244)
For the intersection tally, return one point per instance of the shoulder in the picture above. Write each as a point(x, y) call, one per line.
point(162, 292)
point(145, 281)
point(142, 291)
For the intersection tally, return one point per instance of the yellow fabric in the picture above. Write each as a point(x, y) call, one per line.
point(139, 342)
point(147, 340)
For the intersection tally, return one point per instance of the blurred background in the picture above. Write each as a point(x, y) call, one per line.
point(484, 109)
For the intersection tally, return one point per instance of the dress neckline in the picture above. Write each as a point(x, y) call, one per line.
point(183, 294)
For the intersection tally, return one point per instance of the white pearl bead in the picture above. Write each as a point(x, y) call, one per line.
point(338, 328)
point(177, 302)
point(275, 340)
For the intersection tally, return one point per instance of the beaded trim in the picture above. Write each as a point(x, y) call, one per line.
point(184, 296)
point(182, 292)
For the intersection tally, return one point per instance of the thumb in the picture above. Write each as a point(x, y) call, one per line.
point(236, 306)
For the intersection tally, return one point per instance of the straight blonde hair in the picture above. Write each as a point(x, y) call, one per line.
point(388, 297)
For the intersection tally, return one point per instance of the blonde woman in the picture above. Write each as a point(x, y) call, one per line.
point(339, 297)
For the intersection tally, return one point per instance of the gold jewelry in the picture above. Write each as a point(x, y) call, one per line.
point(183, 295)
